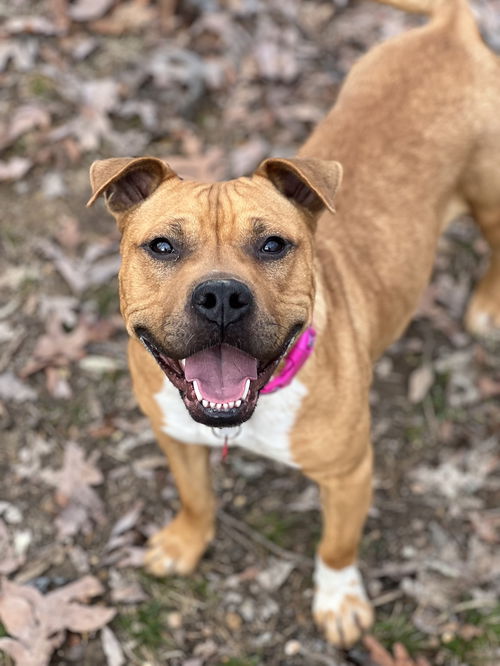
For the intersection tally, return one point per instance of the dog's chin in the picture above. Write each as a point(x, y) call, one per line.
point(208, 411)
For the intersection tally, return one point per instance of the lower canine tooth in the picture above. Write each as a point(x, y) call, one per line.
point(197, 390)
point(247, 388)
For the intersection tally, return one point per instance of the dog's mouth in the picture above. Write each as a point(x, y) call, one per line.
point(219, 385)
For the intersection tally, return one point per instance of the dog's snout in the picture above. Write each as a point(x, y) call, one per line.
point(222, 301)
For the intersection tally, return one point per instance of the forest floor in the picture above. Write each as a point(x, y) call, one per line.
point(213, 87)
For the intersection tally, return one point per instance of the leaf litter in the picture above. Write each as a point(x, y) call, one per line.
point(213, 87)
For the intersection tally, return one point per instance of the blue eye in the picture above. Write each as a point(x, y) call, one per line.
point(161, 246)
point(273, 245)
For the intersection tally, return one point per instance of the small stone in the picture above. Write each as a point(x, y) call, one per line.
point(292, 648)
point(233, 621)
point(174, 620)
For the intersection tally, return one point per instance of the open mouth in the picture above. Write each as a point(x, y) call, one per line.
point(219, 385)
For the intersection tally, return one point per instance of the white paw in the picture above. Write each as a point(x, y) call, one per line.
point(340, 607)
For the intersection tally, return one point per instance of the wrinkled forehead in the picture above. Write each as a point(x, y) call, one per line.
point(243, 206)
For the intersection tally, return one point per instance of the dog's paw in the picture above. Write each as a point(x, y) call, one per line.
point(176, 549)
point(340, 607)
point(482, 318)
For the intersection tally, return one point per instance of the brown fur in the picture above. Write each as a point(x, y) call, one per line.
point(417, 131)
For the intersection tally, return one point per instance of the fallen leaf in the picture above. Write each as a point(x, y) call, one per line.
point(15, 390)
point(131, 16)
point(74, 492)
point(37, 623)
point(89, 10)
point(15, 168)
point(111, 648)
point(35, 25)
point(486, 526)
point(419, 383)
point(400, 656)
point(57, 348)
point(24, 119)
point(10, 558)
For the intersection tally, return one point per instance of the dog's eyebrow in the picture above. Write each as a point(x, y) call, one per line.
point(259, 226)
point(176, 227)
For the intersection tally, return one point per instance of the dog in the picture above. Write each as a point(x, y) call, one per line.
point(256, 311)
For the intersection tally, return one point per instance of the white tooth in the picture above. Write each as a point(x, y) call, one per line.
point(212, 404)
point(197, 390)
point(182, 362)
point(218, 405)
point(231, 404)
point(237, 403)
point(205, 403)
point(247, 388)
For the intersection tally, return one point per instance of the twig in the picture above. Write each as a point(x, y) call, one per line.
point(255, 536)
point(388, 597)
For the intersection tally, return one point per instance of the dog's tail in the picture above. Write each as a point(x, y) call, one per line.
point(425, 6)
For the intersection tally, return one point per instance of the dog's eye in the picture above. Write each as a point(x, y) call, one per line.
point(161, 246)
point(273, 245)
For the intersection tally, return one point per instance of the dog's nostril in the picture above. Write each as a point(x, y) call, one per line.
point(236, 301)
point(208, 301)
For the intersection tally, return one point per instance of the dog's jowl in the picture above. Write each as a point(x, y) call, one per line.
point(256, 311)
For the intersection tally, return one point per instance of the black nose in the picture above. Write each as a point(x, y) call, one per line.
point(222, 301)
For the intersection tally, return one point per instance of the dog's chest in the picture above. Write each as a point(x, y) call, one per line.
point(266, 433)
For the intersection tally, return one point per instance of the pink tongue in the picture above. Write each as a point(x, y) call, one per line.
point(221, 372)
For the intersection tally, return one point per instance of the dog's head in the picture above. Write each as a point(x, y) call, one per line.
point(217, 279)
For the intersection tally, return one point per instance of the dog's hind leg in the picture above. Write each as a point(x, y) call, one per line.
point(177, 548)
point(483, 313)
point(341, 607)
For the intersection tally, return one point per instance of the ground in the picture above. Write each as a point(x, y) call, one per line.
point(214, 87)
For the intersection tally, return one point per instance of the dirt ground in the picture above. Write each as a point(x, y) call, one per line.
point(213, 86)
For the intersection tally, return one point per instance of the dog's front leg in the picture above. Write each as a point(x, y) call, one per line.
point(177, 548)
point(340, 606)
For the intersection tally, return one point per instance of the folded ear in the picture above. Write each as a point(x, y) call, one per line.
point(126, 181)
point(310, 183)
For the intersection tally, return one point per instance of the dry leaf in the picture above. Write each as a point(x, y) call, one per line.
point(10, 560)
point(419, 383)
point(15, 168)
point(111, 648)
point(89, 10)
point(37, 623)
point(74, 492)
point(382, 657)
point(12, 388)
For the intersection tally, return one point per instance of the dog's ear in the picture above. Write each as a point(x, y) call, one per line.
point(126, 181)
point(310, 183)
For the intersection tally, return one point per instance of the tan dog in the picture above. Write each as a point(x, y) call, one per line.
point(218, 280)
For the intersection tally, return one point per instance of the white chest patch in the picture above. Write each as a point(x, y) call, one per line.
point(266, 433)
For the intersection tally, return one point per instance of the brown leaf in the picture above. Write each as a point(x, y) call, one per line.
point(15, 168)
point(89, 10)
point(111, 648)
point(130, 16)
point(74, 492)
point(419, 383)
point(382, 657)
point(37, 25)
point(57, 348)
point(24, 119)
point(37, 623)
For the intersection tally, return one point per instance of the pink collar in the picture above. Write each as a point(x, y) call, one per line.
point(294, 360)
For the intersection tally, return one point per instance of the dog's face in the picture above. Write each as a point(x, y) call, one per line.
point(217, 279)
